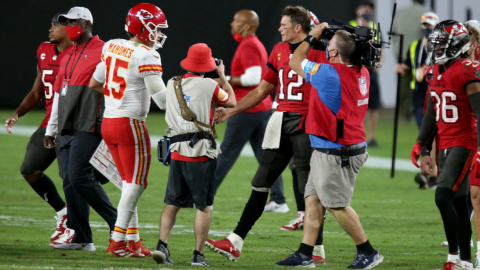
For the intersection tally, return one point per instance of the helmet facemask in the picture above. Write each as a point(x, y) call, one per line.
point(153, 33)
point(446, 46)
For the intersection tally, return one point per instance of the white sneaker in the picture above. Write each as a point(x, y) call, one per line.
point(65, 238)
point(60, 229)
point(76, 246)
point(276, 208)
point(467, 265)
point(318, 254)
point(477, 261)
point(296, 224)
point(445, 243)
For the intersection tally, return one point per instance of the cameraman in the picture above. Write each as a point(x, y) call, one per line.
point(338, 104)
point(193, 158)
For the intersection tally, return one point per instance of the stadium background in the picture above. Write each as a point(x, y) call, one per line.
point(189, 22)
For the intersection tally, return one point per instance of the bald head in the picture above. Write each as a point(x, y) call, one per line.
point(249, 17)
point(245, 22)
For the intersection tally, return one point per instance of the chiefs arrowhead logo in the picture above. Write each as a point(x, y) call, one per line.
point(144, 14)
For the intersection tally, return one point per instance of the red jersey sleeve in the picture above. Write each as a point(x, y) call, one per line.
point(272, 72)
point(220, 96)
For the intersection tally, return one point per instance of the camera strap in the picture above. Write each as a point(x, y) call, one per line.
point(187, 113)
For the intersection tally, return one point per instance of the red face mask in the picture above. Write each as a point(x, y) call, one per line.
point(73, 32)
point(238, 35)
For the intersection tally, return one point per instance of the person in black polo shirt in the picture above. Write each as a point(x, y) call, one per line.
point(77, 115)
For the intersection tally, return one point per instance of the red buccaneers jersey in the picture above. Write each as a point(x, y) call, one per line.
point(48, 63)
point(456, 121)
point(293, 92)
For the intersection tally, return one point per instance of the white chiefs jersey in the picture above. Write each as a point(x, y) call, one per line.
point(127, 63)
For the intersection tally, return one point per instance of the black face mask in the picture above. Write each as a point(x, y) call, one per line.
point(426, 32)
point(367, 16)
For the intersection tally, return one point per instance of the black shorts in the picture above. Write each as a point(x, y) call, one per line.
point(374, 97)
point(38, 157)
point(191, 182)
point(454, 167)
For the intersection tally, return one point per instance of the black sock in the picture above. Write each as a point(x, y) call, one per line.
point(299, 199)
point(366, 247)
point(320, 236)
point(161, 243)
point(305, 250)
point(251, 213)
point(46, 189)
point(196, 252)
point(444, 201)
point(464, 227)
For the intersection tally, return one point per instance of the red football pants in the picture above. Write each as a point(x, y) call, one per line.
point(129, 143)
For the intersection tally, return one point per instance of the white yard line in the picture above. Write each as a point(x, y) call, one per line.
point(372, 162)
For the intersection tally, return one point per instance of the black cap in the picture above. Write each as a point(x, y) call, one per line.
point(55, 18)
point(365, 3)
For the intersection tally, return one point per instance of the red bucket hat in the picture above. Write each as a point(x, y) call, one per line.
point(199, 59)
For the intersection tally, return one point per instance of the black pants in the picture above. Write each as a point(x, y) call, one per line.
point(243, 128)
point(293, 143)
point(81, 188)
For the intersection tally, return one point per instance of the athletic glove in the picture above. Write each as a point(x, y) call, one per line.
point(475, 167)
point(417, 148)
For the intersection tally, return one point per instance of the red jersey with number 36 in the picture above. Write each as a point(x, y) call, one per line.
point(293, 92)
point(48, 63)
point(456, 121)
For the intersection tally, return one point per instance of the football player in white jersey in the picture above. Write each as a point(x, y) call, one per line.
point(131, 73)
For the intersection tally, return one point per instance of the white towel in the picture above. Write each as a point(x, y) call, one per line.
point(273, 131)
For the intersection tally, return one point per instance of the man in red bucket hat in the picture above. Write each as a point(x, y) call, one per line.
point(193, 149)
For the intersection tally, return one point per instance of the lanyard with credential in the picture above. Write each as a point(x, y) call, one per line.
point(65, 80)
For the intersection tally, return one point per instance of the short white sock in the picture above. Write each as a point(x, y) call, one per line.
point(302, 214)
point(132, 232)
point(478, 246)
point(453, 258)
point(62, 212)
point(236, 240)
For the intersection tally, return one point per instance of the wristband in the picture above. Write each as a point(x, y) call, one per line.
point(310, 40)
point(425, 152)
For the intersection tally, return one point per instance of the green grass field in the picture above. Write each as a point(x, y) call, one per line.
point(401, 221)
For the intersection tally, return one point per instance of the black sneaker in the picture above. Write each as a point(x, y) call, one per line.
point(162, 254)
point(421, 180)
point(364, 261)
point(373, 144)
point(295, 260)
point(199, 259)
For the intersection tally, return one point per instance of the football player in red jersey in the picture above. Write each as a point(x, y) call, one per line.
point(452, 110)
point(38, 158)
point(285, 135)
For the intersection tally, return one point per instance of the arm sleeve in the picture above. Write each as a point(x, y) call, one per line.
point(429, 124)
point(252, 76)
point(52, 127)
point(475, 102)
point(99, 74)
point(427, 145)
point(157, 90)
point(150, 64)
point(309, 68)
point(220, 96)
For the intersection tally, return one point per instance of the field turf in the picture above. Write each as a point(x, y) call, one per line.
point(401, 221)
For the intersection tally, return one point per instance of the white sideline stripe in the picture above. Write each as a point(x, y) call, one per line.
point(372, 162)
point(10, 266)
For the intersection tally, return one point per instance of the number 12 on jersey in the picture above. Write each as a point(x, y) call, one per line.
point(117, 84)
point(291, 85)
